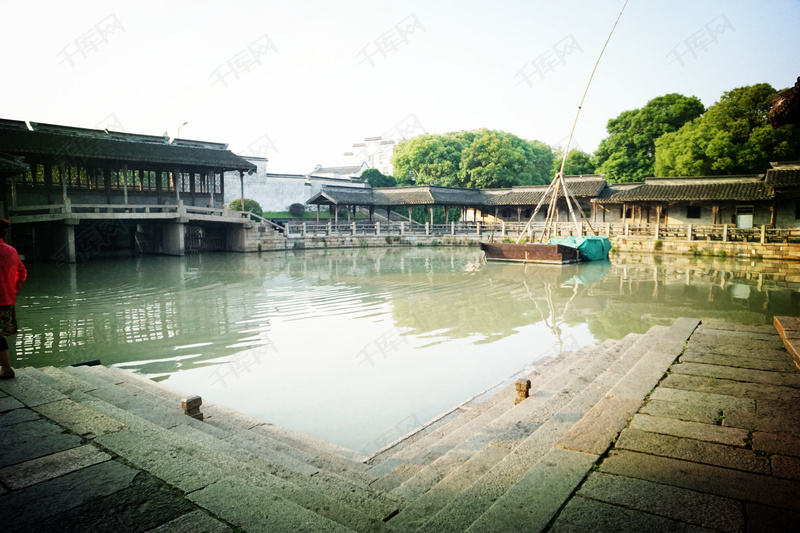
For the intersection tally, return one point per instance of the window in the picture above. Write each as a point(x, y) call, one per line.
point(693, 211)
point(797, 211)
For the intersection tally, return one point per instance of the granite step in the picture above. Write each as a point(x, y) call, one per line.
point(525, 457)
point(198, 468)
point(293, 438)
point(221, 423)
point(411, 460)
point(500, 395)
point(528, 487)
point(543, 417)
point(126, 404)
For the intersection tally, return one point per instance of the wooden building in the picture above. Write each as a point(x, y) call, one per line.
point(76, 180)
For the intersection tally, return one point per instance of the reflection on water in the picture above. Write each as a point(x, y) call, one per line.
point(351, 345)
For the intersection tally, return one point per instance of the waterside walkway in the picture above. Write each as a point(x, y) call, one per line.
point(650, 432)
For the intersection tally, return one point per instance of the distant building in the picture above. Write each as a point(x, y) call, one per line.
point(376, 152)
point(276, 192)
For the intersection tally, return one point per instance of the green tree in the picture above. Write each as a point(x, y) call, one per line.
point(478, 158)
point(628, 153)
point(375, 178)
point(578, 162)
point(249, 205)
point(428, 159)
point(732, 137)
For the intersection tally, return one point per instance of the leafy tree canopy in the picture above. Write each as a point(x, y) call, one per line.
point(628, 153)
point(249, 205)
point(479, 159)
point(375, 178)
point(578, 162)
point(732, 137)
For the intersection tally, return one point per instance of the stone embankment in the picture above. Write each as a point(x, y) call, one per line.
point(644, 433)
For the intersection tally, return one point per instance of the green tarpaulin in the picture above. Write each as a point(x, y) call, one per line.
point(590, 248)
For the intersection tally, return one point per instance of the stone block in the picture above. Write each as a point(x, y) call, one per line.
point(786, 467)
point(193, 522)
point(191, 407)
point(698, 508)
point(694, 430)
point(51, 466)
point(255, 509)
point(33, 439)
point(726, 482)
point(774, 443)
point(582, 514)
point(79, 418)
point(693, 450)
point(64, 493)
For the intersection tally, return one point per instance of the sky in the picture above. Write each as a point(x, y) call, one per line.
point(300, 81)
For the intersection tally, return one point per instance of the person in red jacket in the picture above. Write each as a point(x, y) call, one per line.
point(12, 274)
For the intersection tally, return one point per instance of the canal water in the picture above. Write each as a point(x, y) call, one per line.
point(360, 346)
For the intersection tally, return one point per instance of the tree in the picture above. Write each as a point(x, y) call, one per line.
point(578, 162)
point(428, 160)
point(297, 210)
point(732, 137)
point(479, 159)
point(249, 205)
point(375, 178)
point(628, 153)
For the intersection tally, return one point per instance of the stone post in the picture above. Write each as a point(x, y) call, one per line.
point(523, 387)
point(191, 407)
point(377, 228)
point(427, 229)
point(689, 236)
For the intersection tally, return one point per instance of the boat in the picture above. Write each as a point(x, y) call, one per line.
point(550, 248)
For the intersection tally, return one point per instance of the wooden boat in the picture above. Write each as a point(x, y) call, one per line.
point(531, 253)
point(550, 248)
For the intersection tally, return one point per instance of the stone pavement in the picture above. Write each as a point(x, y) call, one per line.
point(645, 433)
point(716, 446)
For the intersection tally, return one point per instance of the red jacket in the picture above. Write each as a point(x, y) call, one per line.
point(12, 274)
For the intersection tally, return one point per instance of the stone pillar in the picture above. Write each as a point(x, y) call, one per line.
point(125, 184)
point(523, 387)
point(172, 237)
point(68, 246)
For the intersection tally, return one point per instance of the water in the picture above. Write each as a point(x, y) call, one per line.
point(360, 346)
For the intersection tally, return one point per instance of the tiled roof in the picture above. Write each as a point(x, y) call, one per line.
point(10, 167)
point(337, 170)
point(737, 188)
point(342, 196)
point(580, 187)
point(783, 177)
point(80, 145)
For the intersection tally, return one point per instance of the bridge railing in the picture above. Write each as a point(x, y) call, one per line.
point(513, 230)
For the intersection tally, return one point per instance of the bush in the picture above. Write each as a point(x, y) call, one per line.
point(297, 210)
point(249, 205)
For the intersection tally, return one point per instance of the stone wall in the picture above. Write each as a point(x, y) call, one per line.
point(775, 251)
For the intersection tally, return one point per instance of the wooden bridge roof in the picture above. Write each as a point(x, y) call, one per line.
point(580, 186)
point(589, 186)
point(695, 189)
point(80, 145)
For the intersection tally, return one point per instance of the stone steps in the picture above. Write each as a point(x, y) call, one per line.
point(515, 422)
point(411, 459)
point(197, 463)
point(524, 474)
point(250, 433)
point(434, 487)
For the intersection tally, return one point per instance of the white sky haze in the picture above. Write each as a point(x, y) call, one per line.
point(304, 80)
